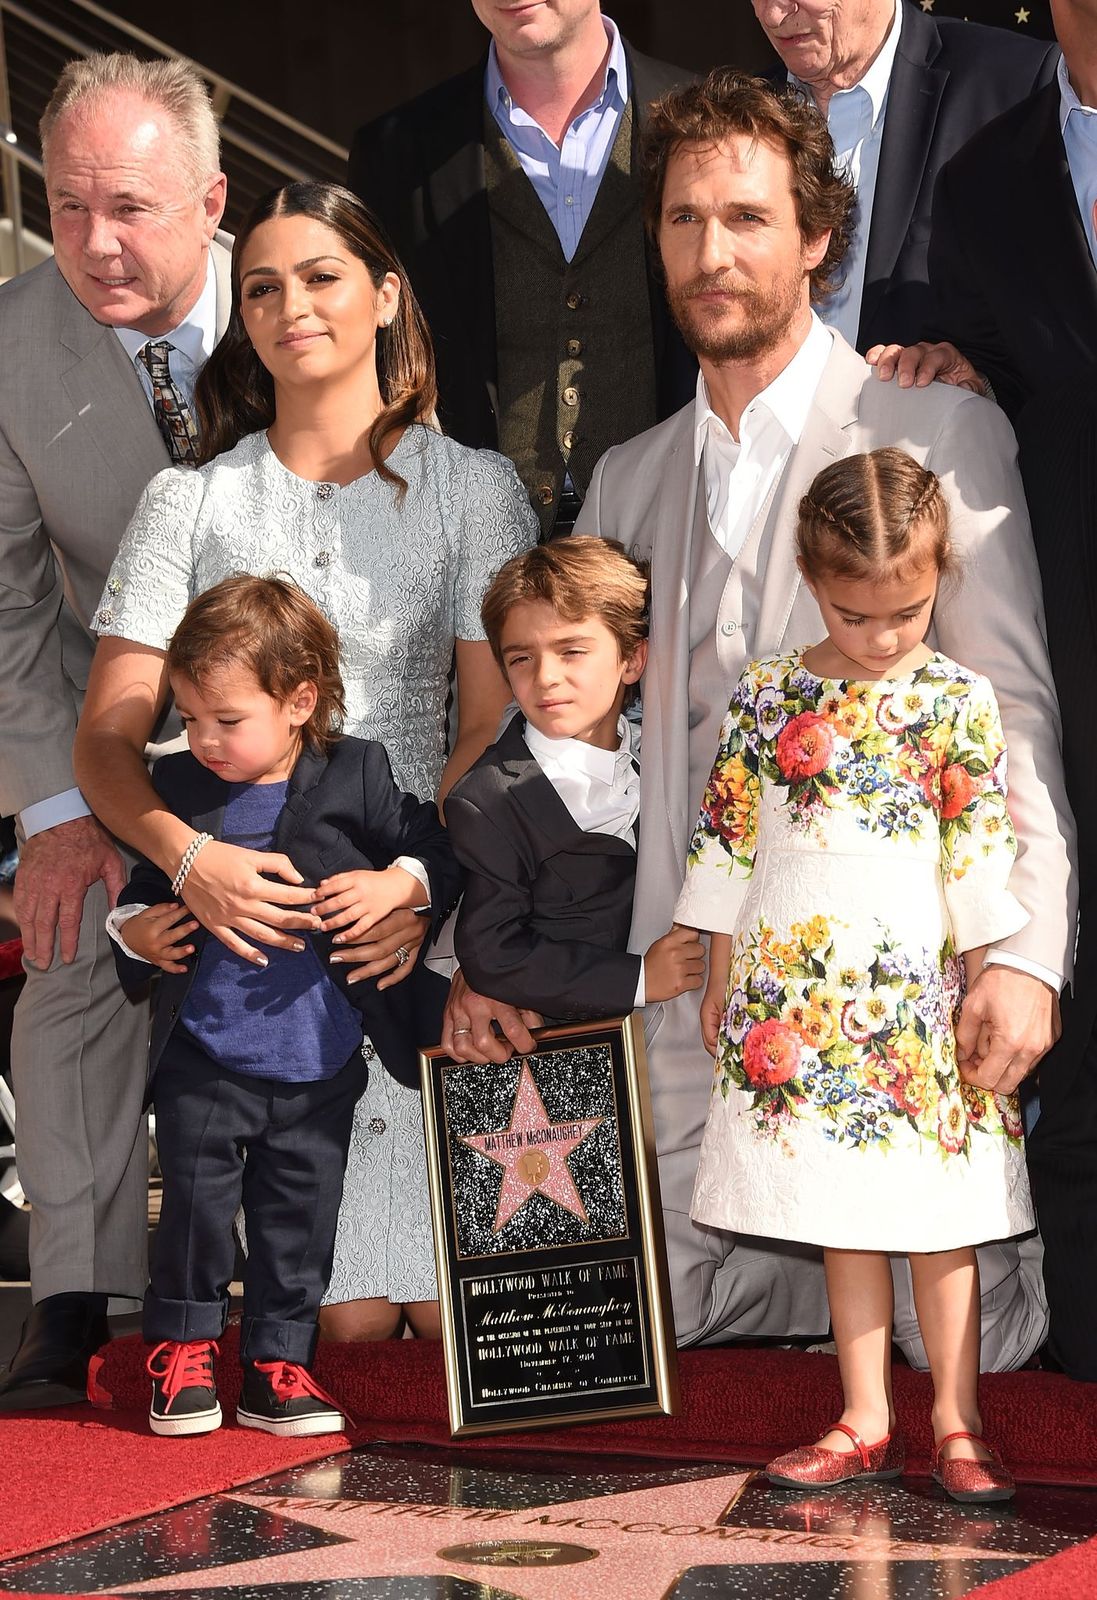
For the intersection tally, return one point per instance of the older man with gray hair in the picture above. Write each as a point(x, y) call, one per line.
point(99, 350)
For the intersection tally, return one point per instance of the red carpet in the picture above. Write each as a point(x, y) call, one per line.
point(71, 1471)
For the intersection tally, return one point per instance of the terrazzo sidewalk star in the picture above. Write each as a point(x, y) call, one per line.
point(533, 1154)
point(645, 1541)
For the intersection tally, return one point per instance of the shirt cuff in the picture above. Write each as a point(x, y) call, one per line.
point(419, 873)
point(115, 920)
point(1006, 958)
point(641, 987)
point(52, 812)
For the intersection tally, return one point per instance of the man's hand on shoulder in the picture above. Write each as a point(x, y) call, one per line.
point(57, 867)
point(918, 365)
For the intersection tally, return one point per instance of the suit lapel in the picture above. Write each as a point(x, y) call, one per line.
point(221, 252)
point(306, 775)
point(535, 795)
point(457, 202)
point(913, 101)
point(106, 396)
point(1055, 238)
point(823, 440)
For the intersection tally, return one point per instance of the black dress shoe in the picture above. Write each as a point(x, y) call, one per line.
point(50, 1367)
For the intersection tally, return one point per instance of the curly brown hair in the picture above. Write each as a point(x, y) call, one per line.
point(271, 628)
point(730, 102)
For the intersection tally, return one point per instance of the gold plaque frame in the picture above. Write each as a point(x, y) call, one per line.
point(548, 1233)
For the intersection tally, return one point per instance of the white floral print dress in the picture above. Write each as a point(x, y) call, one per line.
point(853, 838)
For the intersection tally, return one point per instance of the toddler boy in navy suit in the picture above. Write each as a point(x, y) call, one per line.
point(545, 821)
point(256, 1065)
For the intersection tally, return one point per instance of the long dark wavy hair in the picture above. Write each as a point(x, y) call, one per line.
point(235, 392)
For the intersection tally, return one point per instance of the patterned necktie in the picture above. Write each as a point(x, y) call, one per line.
point(173, 415)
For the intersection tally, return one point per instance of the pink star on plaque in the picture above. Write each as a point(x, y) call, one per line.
point(533, 1154)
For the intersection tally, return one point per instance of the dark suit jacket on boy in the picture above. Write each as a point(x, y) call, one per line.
point(343, 812)
point(544, 921)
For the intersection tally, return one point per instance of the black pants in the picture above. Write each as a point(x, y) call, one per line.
point(1062, 1158)
point(281, 1148)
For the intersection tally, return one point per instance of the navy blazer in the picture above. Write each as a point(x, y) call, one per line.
point(950, 78)
point(343, 812)
point(420, 168)
point(1012, 272)
point(545, 917)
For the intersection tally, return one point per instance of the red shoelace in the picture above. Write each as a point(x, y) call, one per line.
point(185, 1366)
point(291, 1381)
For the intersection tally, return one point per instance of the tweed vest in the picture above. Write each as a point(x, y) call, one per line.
point(576, 368)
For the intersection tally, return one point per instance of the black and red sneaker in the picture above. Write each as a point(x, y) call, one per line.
point(281, 1397)
point(184, 1395)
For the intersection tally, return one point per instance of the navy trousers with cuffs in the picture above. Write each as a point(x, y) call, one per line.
point(279, 1148)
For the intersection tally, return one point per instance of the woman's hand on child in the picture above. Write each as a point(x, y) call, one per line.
point(675, 963)
point(351, 903)
point(379, 955)
point(227, 891)
point(159, 934)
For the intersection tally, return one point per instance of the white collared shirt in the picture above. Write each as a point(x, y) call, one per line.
point(1078, 125)
point(740, 475)
point(855, 118)
point(601, 788)
point(192, 343)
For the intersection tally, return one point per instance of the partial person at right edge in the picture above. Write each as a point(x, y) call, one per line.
point(1013, 252)
point(511, 193)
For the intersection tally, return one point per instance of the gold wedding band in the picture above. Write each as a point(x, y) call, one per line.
point(402, 955)
point(456, 1031)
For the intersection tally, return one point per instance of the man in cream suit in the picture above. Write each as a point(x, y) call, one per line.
point(751, 221)
point(131, 154)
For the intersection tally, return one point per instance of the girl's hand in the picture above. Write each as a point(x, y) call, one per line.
point(227, 891)
point(354, 902)
point(712, 1014)
point(377, 957)
point(158, 934)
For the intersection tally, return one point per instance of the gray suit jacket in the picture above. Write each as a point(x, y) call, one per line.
point(78, 443)
point(644, 494)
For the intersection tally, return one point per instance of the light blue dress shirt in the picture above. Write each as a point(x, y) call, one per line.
point(192, 342)
point(855, 118)
point(1079, 128)
point(565, 176)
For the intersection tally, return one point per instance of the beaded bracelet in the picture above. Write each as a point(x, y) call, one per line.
point(190, 856)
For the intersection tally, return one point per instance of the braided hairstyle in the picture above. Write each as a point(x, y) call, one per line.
point(876, 516)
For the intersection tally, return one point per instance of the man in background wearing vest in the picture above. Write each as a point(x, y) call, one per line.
point(512, 195)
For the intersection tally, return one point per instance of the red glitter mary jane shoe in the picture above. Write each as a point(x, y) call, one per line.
point(812, 1467)
point(973, 1482)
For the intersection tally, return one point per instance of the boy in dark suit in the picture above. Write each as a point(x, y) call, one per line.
point(545, 821)
point(256, 1065)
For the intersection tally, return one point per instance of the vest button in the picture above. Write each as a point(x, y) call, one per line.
point(574, 300)
point(568, 441)
point(574, 347)
point(729, 628)
point(570, 396)
point(543, 495)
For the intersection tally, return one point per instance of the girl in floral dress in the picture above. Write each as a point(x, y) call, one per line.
point(851, 862)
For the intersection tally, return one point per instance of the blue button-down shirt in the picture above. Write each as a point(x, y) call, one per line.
point(855, 119)
point(1079, 127)
point(565, 176)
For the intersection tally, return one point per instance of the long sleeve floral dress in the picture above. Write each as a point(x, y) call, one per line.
point(853, 838)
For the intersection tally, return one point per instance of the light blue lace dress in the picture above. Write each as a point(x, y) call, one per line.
point(400, 582)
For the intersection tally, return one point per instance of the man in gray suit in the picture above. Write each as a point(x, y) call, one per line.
point(751, 219)
point(99, 351)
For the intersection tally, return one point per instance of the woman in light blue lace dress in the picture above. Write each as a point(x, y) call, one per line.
point(320, 461)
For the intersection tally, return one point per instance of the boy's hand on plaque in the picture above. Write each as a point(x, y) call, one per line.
point(468, 1033)
point(675, 963)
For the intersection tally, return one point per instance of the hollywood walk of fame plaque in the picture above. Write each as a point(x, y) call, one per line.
point(548, 1233)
